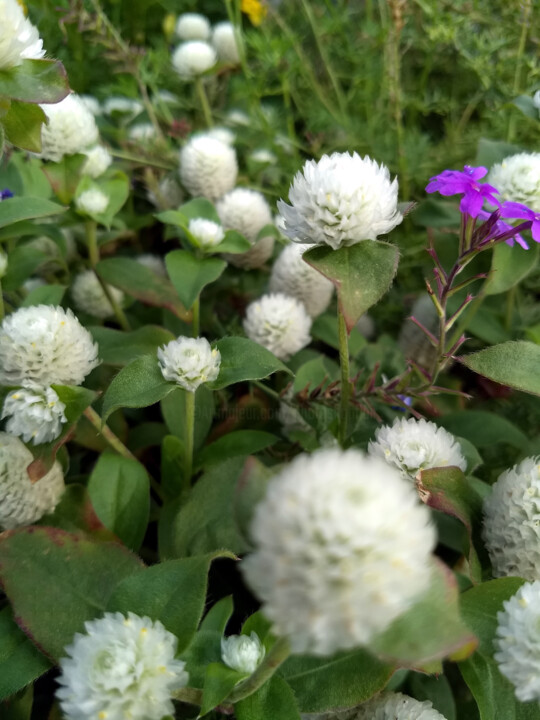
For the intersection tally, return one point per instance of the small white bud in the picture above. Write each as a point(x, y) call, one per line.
point(92, 202)
point(207, 233)
point(189, 362)
point(242, 652)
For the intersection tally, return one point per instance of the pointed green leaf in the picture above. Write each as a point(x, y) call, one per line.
point(219, 615)
point(275, 699)
point(243, 359)
point(514, 364)
point(509, 265)
point(75, 514)
point(16, 209)
point(218, 683)
point(117, 347)
point(45, 295)
point(239, 442)
point(35, 81)
point(64, 176)
point(22, 125)
point(190, 275)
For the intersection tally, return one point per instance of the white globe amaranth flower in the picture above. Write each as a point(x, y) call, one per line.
point(263, 156)
point(341, 200)
point(512, 521)
point(71, 129)
point(23, 502)
point(238, 117)
point(222, 134)
point(414, 445)
point(121, 667)
point(279, 323)
point(224, 41)
point(34, 414)
point(92, 201)
point(207, 233)
point(45, 345)
point(342, 548)
point(517, 641)
point(517, 178)
point(168, 194)
point(247, 212)
point(99, 160)
point(243, 653)
point(154, 263)
point(189, 362)
point(395, 706)
point(19, 39)
point(208, 167)
point(122, 105)
point(142, 132)
point(92, 104)
point(193, 58)
point(89, 296)
point(3, 263)
point(192, 26)
point(292, 276)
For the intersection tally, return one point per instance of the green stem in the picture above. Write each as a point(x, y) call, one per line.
point(345, 381)
point(277, 655)
point(510, 304)
point(527, 7)
point(271, 393)
point(203, 99)
point(189, 435)
point(395, 95)
point(195, 322)
point(117, 309)
point(2, 309)
point(143, 161)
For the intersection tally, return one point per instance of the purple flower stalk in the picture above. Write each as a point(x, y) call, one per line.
point(499, 228)
point(517, 211)
point(466, 183)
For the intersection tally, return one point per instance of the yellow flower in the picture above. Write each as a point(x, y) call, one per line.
point(255, 10)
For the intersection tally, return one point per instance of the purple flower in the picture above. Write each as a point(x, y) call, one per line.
point(4, 194)
point(517, 211)
point(501, 228)
point(457, 182)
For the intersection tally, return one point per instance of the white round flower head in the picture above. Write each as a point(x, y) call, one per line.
point(45, 345)
point(92, 104)
point(536, 99)
point(142, 132)
point(292, 276)
point(342, 548)
point(92, 202)
point(395, 706)
point(341, 200)
point(123, 105)
point(23, 502)
point(71, 129)
point(192, 26)
point(263, 156)
point(189, 362)
point(512, 521)
point(35, 414)
point(222, 134)
point(122, 667)
point(413, 445)
point(242, 652)
point(518, 641)
point(154, 263)
point(3, 263)
point(208, 167)
point(89, 296)
point(247, 212)
point(279, 323)
point(193, 58)
point(224, 41)
point(99, 159)
point(517, 178)
point(168, 195)
point(238, 117)
point(207, 233)
point(19, 39)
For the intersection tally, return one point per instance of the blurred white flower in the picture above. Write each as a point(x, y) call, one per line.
point(192, 26)
point(193, 58)
point(207, 233)
point(32, 284)
point(222, 134)
point(92, 103)
point(518, 641)
point(89, 296)
point(224, 41)
point(242, 652)
point(23, 502)
point(93, 202)
point(517, 178)
point(45, 345)
point(208, 167)
point(34, 414)
point(536, 99)
point(512, 521)
point(168, 194)
point(189, 362)
point(292, 276)
point(279, 323)
point(395, 706)
point(71, 129)
point(19, 39)
point(413, 445)
point(3, 263)
point(341, 200)
point(263, 156)
point(238, 117)
point(122, 105)
point(342, 548)
point(154, 263)
point(122, 667)
point(99, 159)
point(142, 132)
point(247, 212)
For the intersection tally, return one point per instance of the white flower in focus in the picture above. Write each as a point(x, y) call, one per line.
point(518, 641)
point(247, 212)
point(99, 159)
point(243, 653)
point(263, 156)
point(512, 521)
point(413, 445)
point(23, 502)
point(89, 296)
point(122, 105)
point(395, 706)
point(92, 104)
point(224, 41)
point(222, 134)
point(3, 263)
point(279, 323)
point(292, 276)
point(154, 263)
point(19, 39)
point(208, 167)
point(341, 200)
point(122, 667)
point(93, 202)
point(36, 415)
point(193, 58)
point(71, 129)
point(192, 26)
point(45, 345)
point(207, 233)
point(342, 548)
point(189, 362)
point(517, 178)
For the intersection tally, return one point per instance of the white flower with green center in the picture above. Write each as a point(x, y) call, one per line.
point(247, 212)
point(517, 178)
point(192, 26)
point(279, 323)
point(89, 297)
point(193, 58)
point(121, 667)
point(207, 233)
point(189, 362)
point(99, 159)
point(242, 652)
point(208, 167)
point(71, 129)
point(92, 202)
point(19, 39)
point(34, 414)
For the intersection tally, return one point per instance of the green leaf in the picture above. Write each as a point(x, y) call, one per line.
point(16, 209)
point(35, 81)
point(435, 213)
point(484, 429)
point(275, 699)
point(117, 347)
point(526, 104)
point(437, 690)
point(243, 359)
point(239, 442)
point(204, 649)
point(19, 707)
point(76, 399)
point(219, 615)
point(514, 364)
point(196, 208)
point(22, 125)
point(250, 490)
point(490, 152)
point(20, 661)
point(362, 274)
point(23, 262)
point(190, 275)
point(45, 295)
point(325, 328)
point(139, 384)
point(233, 243)
point(75, 514)
point(64, 176)
point(120, 493)
point(218, 683)
point(173, 482)
point(75, 578)
point(509, 266)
